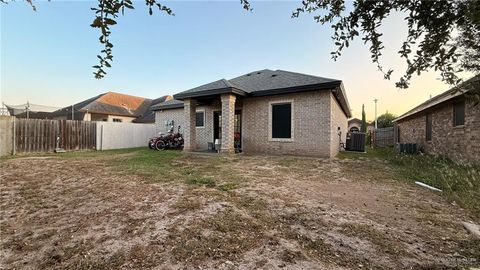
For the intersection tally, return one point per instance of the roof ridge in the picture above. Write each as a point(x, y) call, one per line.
point(252, 72)
point(304, 74)
point(226, 82)
point(117, 93)
point(231, 84)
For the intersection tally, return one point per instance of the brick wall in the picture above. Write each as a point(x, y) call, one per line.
point(312, 126)
point(162, 116)
point(458, 143)
point(203, 134)
point(317, 116)
point(338, 119)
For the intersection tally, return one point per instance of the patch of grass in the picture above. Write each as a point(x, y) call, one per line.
point(459, 182)
point(228, 186)
point(252, 204)
point(154, 166)
point(187, 204)
point(202, 181)
point(370, 153)
point(290, 256)
point(225, 236)
point(376, 237)
point(470, 249)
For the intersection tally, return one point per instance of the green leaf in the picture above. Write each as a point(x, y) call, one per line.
point(110, 21)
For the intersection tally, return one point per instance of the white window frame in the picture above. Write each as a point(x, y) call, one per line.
point(204, 120)
point(292, 123)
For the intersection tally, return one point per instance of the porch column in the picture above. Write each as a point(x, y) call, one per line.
point(189, 134)
point(228, 118)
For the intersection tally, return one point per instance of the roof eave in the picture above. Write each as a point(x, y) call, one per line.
point(109, 113)
point(342, 99)
point(211, 92)
point(296, 89)
point(167, 107)
point(414, 111)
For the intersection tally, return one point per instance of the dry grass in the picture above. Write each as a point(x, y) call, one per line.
point(224, 236)
point(143, 209)
point(380, 239)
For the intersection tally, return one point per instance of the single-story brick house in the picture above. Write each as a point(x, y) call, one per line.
point(111, 107)
point(266, 111)
point(446, 125)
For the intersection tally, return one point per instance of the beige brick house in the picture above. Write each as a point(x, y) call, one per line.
point(446, 125)
point(266, 111)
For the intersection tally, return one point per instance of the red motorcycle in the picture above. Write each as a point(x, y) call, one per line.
point(171, 140)
point(151, 141)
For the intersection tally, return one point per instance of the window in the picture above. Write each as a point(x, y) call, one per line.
point(200, 119)
point(428, 128)
point(398, 134)
point(282, 121)
point(117, 120)
point(459, 114)
point(238, 122)
point(354, 129)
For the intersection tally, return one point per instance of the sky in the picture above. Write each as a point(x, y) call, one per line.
point(47, 55)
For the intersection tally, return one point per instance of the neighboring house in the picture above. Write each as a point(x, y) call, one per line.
point(447, 124)
point(355, 125)
point(149, 115)
point(110, 107)
point(265, 111)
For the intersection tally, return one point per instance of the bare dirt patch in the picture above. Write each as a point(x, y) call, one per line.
point(127, 210)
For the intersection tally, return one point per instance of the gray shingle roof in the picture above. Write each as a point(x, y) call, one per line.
point(169, 104)
point(262, 80)
point(459, 90)
point(269, 82)
point(149, 115)
point(220, 84)
point(266, 79)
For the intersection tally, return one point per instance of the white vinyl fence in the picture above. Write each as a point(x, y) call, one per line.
point(123, 135)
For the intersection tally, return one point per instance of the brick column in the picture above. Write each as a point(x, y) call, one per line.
point(189, 134)
point(228, 128)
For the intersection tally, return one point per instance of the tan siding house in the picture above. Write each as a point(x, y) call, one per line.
point(112, 107)
point(274, 112)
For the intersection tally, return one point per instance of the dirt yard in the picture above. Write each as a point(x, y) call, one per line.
point(141, 209)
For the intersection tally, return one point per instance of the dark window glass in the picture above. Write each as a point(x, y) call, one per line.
point(428, 128)
point(282, 121)
point(398, 134)
point(238, 122)
point(199, 119)
point(459, 113)
point(220, 126)
point(117, 120)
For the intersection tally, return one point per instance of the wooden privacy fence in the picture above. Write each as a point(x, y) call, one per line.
point(384, 137)
point(38, 135)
